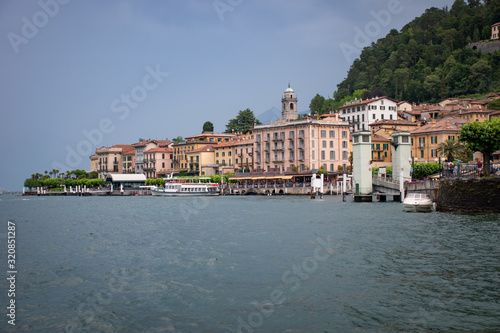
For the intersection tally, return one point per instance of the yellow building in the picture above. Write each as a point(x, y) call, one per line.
point(234, 156)
point(495, 30)
point(201, 161)
point(471, 115)
point(381, 151)
point(426, 139)
point(181, 160)
point(386, 127)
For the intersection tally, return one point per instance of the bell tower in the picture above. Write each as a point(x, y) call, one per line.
point(289, 105)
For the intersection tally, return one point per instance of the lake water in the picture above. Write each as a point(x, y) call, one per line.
point(247, 264)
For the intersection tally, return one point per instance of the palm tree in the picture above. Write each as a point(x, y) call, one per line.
point(451, 149)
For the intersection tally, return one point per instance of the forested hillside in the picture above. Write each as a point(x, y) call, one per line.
point(428, 60)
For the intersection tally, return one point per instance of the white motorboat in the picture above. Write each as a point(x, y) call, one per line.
point(417, 202)
point(186, 187)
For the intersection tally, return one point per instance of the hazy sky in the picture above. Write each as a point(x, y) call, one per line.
point(80, 74)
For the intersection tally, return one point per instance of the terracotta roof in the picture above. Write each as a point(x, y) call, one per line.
point(122, 146)
point(442, 125)
point(202, 150)
point(218, 135)
point(162, 143)
point(376, 137)
point(142, 143)
point(129, 151)
point(393, 122)
point(160, 150)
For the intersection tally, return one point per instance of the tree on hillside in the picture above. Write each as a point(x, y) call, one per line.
point(208, 127)
point(243, 122)
point(316, 104)
point(451, 149)
point(412, 64)
point(483, 137)
point(494, 104)
point(328, 105)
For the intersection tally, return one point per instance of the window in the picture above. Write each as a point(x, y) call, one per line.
point(331, 144)
point(451, 137)
point(312, 144)
point(345, 155)
point(422, 153)
point(344, 144)
point(332, 134)
point(382, 115)
point(344, 134)
point(313, 155)
point(312, 133)
point(332, 155)
point(324, 143)
point(373, 116)
point(323, 134)
point(390, 116)
point(323, 155)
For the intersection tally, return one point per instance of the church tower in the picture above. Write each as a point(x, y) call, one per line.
point(289, 105)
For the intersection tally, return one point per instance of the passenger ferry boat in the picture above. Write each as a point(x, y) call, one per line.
point(186, 187)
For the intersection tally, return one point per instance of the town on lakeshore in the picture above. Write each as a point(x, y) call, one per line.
point(282, 157)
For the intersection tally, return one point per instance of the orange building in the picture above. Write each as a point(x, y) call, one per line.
point(426, 139)
point(181, 149)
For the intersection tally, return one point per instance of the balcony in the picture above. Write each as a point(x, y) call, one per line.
point(301, 158)
point(279, 148)
point(291, 137)
point(301, 136)
point(291, 147)
point(301, 146)
point(421, 145)
point(268, 160)
point(279, 160)
point(267, 148)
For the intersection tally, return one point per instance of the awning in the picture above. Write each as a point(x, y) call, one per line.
point(137, 178)
point(279, 177)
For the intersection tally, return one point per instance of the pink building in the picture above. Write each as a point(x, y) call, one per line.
point(158, 161)
point(300, 145)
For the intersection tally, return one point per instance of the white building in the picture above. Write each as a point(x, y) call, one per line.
point(361, 113)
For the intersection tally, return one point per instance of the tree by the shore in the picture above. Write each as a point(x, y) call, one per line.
point(451, 149)
point(483, 137)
